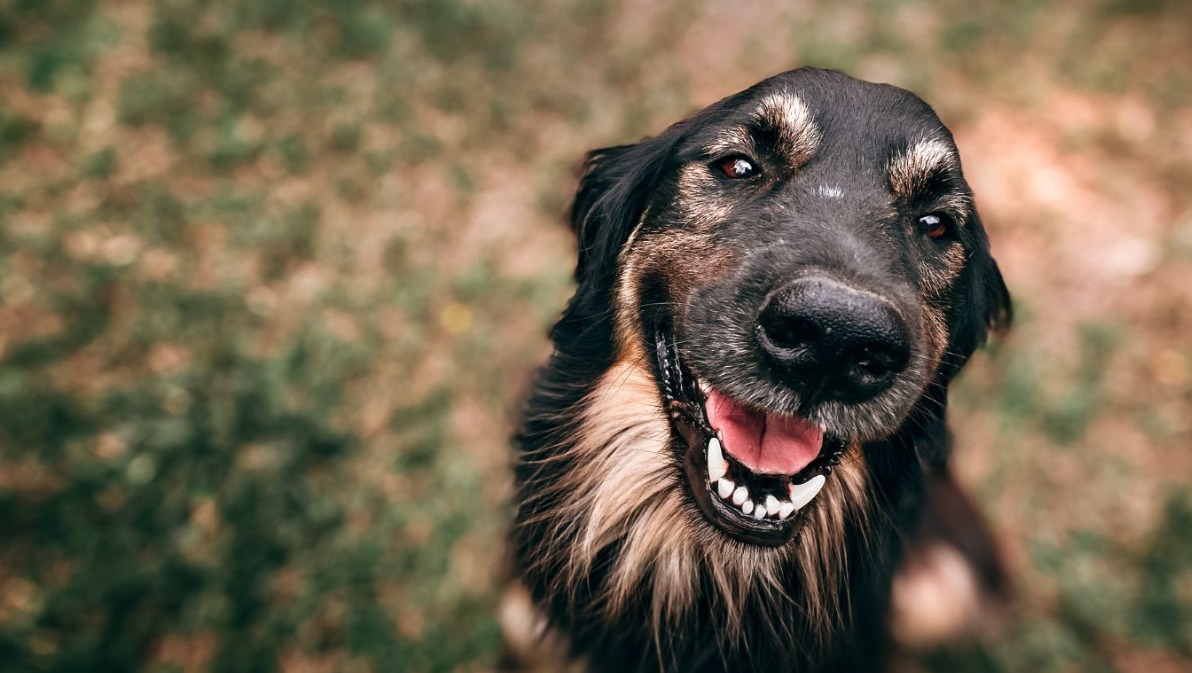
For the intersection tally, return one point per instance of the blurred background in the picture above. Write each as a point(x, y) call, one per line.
point(276, 273)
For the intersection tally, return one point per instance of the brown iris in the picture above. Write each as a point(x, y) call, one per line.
point(737, 167)
point(935, 225)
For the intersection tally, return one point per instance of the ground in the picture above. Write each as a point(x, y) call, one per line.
point(276, 273)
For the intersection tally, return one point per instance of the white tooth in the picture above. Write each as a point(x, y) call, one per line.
point(748, 507)
point(724, 488)
point(801, 494)
point(717, 465)
point(759, 512)
point(786, 509)
point(740, 495)
point(771, 504)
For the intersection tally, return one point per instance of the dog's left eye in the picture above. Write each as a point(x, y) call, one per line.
point(737, 167)
point(935, 225)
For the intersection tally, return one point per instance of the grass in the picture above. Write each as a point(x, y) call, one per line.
point(275, 274)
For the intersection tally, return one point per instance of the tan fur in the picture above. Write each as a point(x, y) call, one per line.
point(685, 258)
point(936, 597)
point(532, 646)
point(937, 281)
point(731, 140)
point(625, 487)
point(909, 171)
point(697, 201)
point(798, 134)
point(624, 450)
point(935, 328)
point(615, 526)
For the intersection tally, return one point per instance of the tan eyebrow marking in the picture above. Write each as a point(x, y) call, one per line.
point(798, 134)
point(729, 140)
point(909, 172)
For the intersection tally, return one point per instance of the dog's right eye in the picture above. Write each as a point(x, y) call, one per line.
point(736, 167)
point(936, 225)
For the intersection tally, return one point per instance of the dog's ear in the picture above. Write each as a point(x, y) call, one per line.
point(615, 189)
point(982, 306)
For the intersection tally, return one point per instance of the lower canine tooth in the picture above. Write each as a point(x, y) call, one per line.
point(724, 488)
point(740, 495)
point(747, 507)
point(801, 494)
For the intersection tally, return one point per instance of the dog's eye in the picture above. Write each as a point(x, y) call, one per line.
point(737, 167)
point(935, 225)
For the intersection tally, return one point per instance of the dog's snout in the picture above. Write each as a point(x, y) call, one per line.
point(833, 341)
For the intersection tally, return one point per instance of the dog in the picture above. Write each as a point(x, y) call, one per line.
point(734, 445)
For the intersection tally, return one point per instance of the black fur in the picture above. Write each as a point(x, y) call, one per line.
point(635, 185)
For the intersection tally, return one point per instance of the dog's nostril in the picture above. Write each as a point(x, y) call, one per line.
point(872, 367)
point(879, 360)
point(791, 334)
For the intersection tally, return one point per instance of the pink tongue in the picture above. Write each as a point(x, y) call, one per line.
point(765, 443)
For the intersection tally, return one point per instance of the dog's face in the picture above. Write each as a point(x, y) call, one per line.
point(802, 269)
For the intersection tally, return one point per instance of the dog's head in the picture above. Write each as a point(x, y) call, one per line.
point(767, 290)
point(802, 268)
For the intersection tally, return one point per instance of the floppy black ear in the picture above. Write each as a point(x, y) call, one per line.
point(615, 190)
point(981, 306)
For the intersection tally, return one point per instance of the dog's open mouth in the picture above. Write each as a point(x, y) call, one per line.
point(754, 474)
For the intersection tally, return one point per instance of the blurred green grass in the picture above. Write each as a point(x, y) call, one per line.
point(275, 274)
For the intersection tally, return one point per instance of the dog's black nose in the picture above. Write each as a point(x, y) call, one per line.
point(833, 341)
